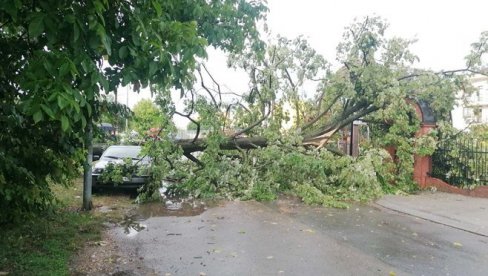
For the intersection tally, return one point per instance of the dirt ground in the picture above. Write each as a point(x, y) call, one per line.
point(104, 257)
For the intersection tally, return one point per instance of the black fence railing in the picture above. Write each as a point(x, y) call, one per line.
point(461, 162)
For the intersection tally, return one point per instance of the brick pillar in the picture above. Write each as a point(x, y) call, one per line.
point(422, 165)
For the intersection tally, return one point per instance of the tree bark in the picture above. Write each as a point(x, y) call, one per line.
point(189, 146)
point(241, 143)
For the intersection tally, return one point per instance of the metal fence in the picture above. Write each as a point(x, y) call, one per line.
point(461, 161)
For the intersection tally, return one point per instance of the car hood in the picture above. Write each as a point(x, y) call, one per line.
point(103, 163)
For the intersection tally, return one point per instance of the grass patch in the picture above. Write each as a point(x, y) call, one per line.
point(44, 245)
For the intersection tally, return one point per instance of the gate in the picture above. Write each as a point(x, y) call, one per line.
point(461, 162)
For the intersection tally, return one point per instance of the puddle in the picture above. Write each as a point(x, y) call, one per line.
point(174, 207)
point(132, 224)
point(134, 229)
point(168, 206)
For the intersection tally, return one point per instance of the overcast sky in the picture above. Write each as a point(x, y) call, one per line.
point(444, 29)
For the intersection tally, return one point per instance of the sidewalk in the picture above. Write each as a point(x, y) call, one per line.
point(458, 211)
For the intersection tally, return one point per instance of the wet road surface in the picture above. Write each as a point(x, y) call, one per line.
point(287, 238)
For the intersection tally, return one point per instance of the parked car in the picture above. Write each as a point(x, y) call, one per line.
point(118, 155)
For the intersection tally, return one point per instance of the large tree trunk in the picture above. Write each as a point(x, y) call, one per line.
point(189, 146)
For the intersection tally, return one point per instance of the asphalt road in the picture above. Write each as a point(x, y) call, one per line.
point(287, 238)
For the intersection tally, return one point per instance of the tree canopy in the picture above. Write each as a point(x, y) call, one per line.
point(146, 116)
point(61, 58)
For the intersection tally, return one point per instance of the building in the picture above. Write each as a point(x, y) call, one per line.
point(474, 110)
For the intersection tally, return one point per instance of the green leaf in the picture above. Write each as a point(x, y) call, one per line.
point(153, 67)
point(157, 7)
point(76, 32)
point(89, 109)
point(48, 66)
point(83, 122)
point(76, 106)
point(36, 26)
point(64, 123)
point(105, 84)
point(70, 18)
point(62, 102)
point(37, 116)
point(9, 7)
point(48, 111)
point(123, 52)
point(104, 38)
point(73, 70)
point(64, 69)
point(107, 44)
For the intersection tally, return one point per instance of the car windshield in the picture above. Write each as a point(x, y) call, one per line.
point(122, 152)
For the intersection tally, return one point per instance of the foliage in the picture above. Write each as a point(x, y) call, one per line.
point(115, 172)
point(480, 132)
point(114, 113)
point(460, 157)
point(61, 58)
point(377, 82)
point(317, 176)
point(146, 116)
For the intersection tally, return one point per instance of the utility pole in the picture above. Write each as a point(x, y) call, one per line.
point(127, 104)
point(87, 168)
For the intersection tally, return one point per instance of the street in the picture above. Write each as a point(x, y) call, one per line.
point(285, 237)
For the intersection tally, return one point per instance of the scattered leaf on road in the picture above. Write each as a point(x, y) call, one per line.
point(457, 244)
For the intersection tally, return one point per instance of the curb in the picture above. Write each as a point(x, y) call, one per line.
point(460, 225)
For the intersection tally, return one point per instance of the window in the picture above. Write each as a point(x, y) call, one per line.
point(467, 113)
point(472, 114)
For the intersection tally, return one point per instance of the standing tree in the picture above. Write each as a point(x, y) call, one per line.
point(60, 58)
point(146, 116)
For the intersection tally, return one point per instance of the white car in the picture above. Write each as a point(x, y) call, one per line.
point(118, 155)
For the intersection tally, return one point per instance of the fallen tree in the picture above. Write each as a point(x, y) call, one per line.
point(277, 115)
point(374, 83)
point(376, 74)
